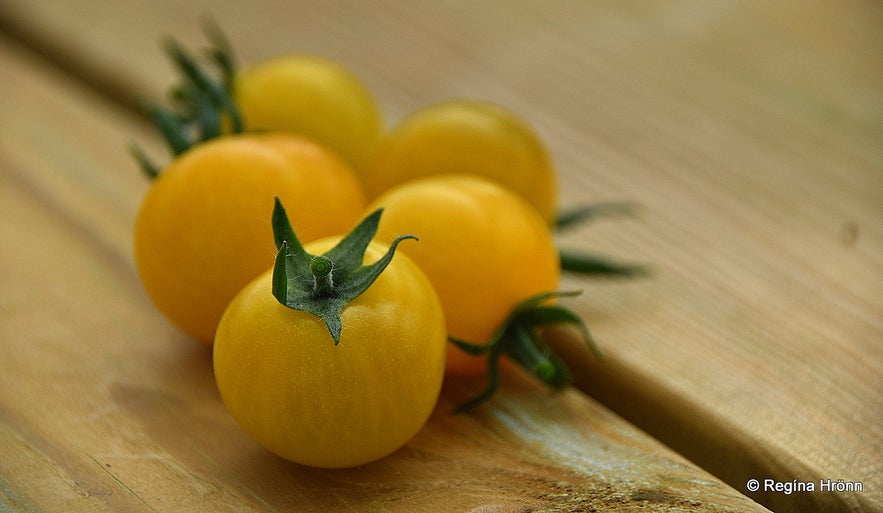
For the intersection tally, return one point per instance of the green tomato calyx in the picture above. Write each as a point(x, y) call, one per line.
point(519, 338)
point(324, 284)
point(200, 103)
point(592, 264)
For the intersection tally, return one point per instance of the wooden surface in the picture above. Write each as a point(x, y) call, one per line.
point(750, 132)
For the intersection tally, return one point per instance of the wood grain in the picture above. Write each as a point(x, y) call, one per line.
point(750, 133)
point(105, 407)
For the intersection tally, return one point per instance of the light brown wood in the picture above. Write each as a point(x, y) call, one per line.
point(749, 132)
point(105, 407)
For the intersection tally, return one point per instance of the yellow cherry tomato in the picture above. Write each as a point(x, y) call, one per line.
point(484, 249)
point(324, 405)
point(469, 137)
point(311, 96)
point(202, 231)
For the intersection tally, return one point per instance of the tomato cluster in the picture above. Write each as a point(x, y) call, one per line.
point(272, 236)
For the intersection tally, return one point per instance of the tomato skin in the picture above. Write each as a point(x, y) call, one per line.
point(202, 231)
point(324, 405)
point(470, 137)
point(313, 97)
point(484, 249)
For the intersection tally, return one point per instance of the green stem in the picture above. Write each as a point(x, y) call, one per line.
point(524, 350)
point(321, 268)
point(533, 355)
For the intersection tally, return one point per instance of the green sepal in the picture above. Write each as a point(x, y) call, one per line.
point(221, 53)
point(207, 118)
point(214, 93)
point(529, 351)
point(302, 283)
point(591, 264)
point(573, 216)
point(520, 338)
point(200, 102)
point(172, 127)
point(150, 169)
point(493, 382)
point(587, 263)
point(540, 316)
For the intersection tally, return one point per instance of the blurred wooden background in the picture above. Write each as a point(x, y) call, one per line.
point(751, 133)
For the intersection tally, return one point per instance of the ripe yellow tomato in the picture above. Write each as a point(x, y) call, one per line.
point(484, 248)
point(308, 400)
point(469, 137)
point(202, 231)
point(313, 97)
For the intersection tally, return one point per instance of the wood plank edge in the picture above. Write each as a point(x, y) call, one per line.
point(713, 444)
point(53, 51)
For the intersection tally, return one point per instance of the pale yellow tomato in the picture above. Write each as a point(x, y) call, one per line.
point(311, 96)
point(202, 231)
point(308, 400)
point(468, 137)
point(484, 248)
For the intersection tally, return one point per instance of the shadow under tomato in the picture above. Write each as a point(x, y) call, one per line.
point(423, 472)
point(177, 408)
